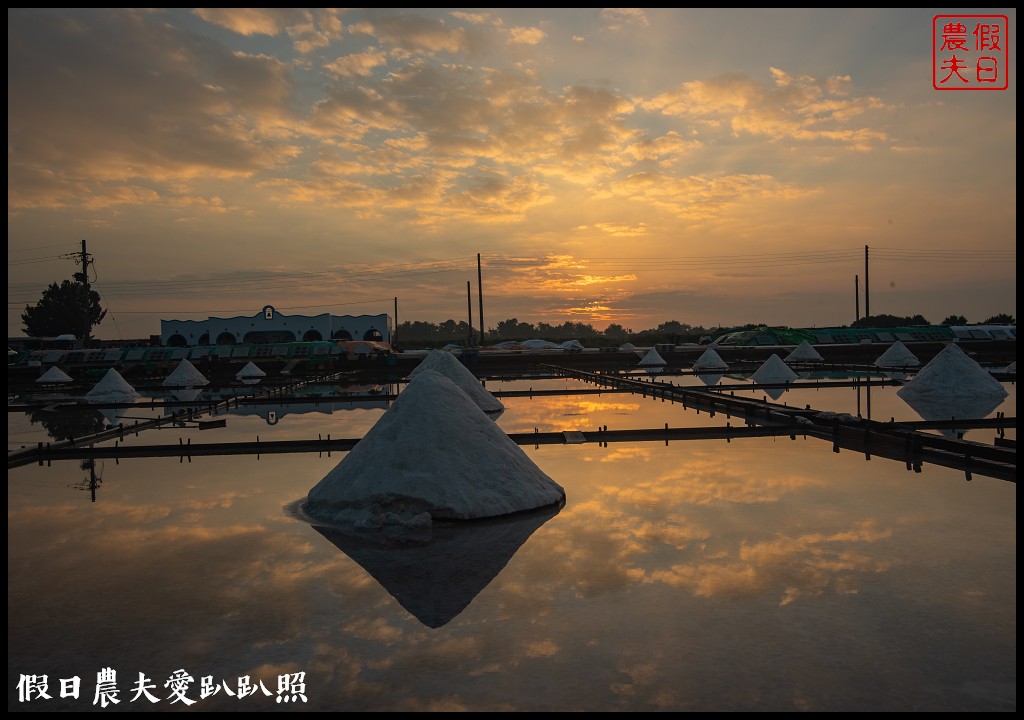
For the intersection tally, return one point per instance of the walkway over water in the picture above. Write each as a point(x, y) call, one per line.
point(903, 441)
point(896, 441)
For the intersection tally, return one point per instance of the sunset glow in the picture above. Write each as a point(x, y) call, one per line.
point(714, 167)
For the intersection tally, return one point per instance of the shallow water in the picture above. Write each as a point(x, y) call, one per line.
point(755, 574)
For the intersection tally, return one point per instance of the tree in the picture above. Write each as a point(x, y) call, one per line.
point(69, 308)
point(955, 320)
point(1001, 319)
point(889, 321)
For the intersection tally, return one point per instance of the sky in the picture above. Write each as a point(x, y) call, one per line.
point(616, 165)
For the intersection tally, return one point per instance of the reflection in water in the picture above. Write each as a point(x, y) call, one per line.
point(69, 421)
point(774, 392)
point(761, 574)
point(948, 407)
point(438, 576)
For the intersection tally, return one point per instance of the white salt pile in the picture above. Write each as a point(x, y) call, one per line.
point(449, 366)
point(112, 388)
point(710, 360)
point(250, 374)
point(804, 352)
point(652, 358)
point(773, 370)
point(897, 356)
point(433, 455)
point(54, 375)
point(627, 347)
point(185, 375)
point(953, 375)
point(1012, 368)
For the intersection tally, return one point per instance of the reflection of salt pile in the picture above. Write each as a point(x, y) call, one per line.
point(433, 455)
point(710, 360)
point(772, 372)
point(897, 356)
point(953, 386)
point(114, 416)
point(652, 358)
point(112, 388)
point(53, 376)
point(435, 580)
point(250, 374)
point(447, 364)
point(804, 352)
point(186, 394)
point(185, 375)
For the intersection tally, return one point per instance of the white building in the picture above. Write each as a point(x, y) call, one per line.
point(270, 326)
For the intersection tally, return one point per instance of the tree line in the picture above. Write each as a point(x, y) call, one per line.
point(73, 308)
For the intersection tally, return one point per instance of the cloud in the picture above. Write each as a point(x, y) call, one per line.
point(413, 33)
point(87, 129)
point(793, 107)
point(252, 21)
point(357, 64)
point(621, 230)
point(615, 19)
point(309, 30)
point(472, 18)
point(527, 35)
point(700, 198)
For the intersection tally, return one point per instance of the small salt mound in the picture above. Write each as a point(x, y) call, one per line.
point(449, 366)
point(112, 388)
point(54, 375)
point(1012, 368)
point(433, 455)
point(710, 360)
point(185, 375)
point(773, 371)
point(952, 374)
point(652, 358)
point(627, 347)
point(804, 352)
point(897, 356)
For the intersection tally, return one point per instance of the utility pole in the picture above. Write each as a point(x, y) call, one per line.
point(867, 297)
point(480, 291)
point(84, 259)
point(394, 330)
point(469, 308)
point(856, 298)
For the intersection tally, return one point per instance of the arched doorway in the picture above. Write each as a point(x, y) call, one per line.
point(373, 335)
point(341, 335)
point(312, 336)
point(177, 340)
point(225, 338)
